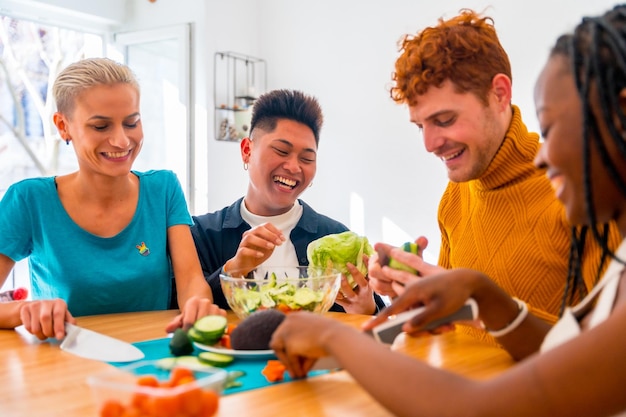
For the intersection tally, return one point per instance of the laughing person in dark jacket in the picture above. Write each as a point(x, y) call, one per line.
point(270, 225)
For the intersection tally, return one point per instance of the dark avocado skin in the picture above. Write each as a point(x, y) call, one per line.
point(180, 344)
point(255, 331)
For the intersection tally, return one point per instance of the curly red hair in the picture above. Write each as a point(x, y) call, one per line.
point(464, 50)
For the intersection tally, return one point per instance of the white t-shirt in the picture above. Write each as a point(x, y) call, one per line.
point(285, 254)
point(568, 325)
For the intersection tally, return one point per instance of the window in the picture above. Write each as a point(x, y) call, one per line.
point(31, 56)
point(160, 59)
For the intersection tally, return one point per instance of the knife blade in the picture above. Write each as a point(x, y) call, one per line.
point(93, 345)
point(387, 332)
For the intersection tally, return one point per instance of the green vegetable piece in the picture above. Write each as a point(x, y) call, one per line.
point(305, 297)
point(248, 300)
point(191, 362)
point(231, 379)
point(209, 329)
point(335, 250)
point(180, 344)
point(215, 359)
point(410, 247)
point(266, 300)
point(194, 336)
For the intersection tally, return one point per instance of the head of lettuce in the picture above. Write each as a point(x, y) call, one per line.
point(334, 251)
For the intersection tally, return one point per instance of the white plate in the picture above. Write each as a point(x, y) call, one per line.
point(241, 354)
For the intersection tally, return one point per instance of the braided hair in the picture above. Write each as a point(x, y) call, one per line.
point(597, 52)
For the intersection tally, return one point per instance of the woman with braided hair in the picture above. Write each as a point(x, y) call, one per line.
point(577, 366)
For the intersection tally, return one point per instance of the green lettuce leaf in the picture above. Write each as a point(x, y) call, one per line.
point(334, 251)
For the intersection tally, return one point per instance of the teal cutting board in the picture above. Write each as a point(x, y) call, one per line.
point(159, 348)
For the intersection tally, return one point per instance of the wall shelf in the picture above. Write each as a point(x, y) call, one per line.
point(238, 81)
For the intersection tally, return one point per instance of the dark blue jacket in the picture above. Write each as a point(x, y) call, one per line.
point(217, 236)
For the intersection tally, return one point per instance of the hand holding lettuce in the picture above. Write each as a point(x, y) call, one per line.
point(335, 250)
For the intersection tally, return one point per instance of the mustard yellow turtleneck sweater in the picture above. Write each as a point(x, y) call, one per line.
point(509, 225)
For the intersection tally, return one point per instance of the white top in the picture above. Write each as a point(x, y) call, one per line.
point(285, 254)
point(568, 325)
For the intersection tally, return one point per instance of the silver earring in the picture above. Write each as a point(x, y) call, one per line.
point(311, 184)
point(245, 166)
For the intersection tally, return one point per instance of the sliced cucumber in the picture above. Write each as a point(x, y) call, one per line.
point(191, 362)
point(248, 300)
point(194, 336)
point(267, 301)
point(305, 296)
point(210, 329)
point(215, 359)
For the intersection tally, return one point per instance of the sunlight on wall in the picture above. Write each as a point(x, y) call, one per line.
point(357, 214)
point(115, 54)
point(395, 235)
point(93, 45)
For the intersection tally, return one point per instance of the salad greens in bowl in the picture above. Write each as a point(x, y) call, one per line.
point(285, 288)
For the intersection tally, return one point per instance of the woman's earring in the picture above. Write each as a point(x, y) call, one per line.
point(67, 141)
point(311, 184)
point(245, 166)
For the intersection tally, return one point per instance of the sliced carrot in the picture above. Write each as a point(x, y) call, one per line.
point(148, 381)
point(186, 380)
point(274, 371)
point(164, 405)
point(112, 408)
point(283, 307)
point(210, 401)
point(181, 374)
point(225, 341)
point(191, 401)
point(230, 327)
point(133, 412)
point(140, 401)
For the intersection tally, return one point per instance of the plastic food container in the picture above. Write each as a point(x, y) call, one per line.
point(146, 390)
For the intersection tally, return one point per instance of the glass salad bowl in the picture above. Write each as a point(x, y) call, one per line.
point(286, 288)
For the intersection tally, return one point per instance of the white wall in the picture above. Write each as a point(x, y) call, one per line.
point(343, 52)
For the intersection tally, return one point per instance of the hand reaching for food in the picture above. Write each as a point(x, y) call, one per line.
point(256, 246)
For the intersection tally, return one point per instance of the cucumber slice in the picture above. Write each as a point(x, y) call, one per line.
point(248, 300)
point(190, 362)
point(210, 328)
point(267, 301)
point(304, 296)
point(215, 359)
point(194, 336)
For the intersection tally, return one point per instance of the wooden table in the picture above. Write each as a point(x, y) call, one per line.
point(40, 380)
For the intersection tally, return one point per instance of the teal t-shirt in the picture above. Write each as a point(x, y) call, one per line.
point(127, 272)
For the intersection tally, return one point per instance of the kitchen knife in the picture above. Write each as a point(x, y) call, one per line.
point(92, 345)
point(387, 332)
